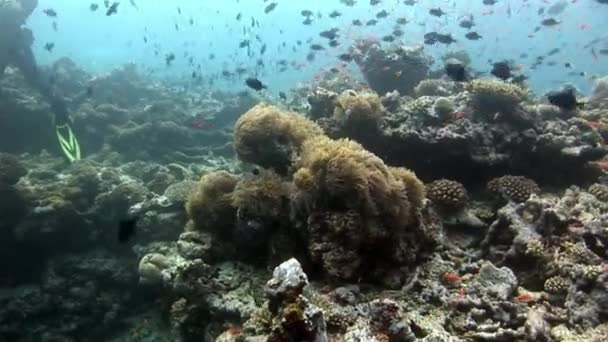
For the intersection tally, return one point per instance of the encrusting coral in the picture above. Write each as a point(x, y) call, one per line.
point(492, 96)
point(270, 137)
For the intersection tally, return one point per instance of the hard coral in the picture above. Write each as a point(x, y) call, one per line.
point(600, 191)
point(557, 285)
point(447, 194)
point(491, 96)
point(210, 205)
point(513, 188)
point(434, 87)
point(358, 110)
point(270, 137)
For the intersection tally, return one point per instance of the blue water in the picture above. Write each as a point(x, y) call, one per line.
point(99, 43)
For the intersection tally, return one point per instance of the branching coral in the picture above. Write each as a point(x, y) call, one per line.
point(447, 194)
point(210, 205)
point(270, 137)
point(491, 96)
point(513, 188)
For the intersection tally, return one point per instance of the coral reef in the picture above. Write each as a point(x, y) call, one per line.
point(398, 68)
point(361, 251)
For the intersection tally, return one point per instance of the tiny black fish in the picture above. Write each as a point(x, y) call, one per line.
point(307, 21)
point(550, 22)
point(113, 9)
point(49, 47)
point(382, 14)
point(270, 7)
point(357, 22)
point(467, 23)
point(127, 229)
point(306, 13)
point(473, 36)
point(317, 47)
point(334, 43)
point(455, 69)
point(50, 12)
point(371, 22)
point(345, 57)
point(169, 58)
point(283, 96)
point(374, 2)
point(255, 171)
point(501, 70)
point(330, 34)
point(93, 7)
point(489, 2)
point(402, 21)
point(255, 84)
point(388, 38)
point(54, 26)
point(565, 98)
point(437, 12)
point(334, 14)
point(89, 91)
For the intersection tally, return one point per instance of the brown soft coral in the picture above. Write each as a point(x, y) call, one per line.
point(416, 191)
point(270, 137)
point(352, 203)
point(210, 205)
point(358, 110)
point(262, 195)
point(346, 176)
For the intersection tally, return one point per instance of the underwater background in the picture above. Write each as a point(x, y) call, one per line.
point(97, 42)
point(321, 170)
